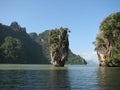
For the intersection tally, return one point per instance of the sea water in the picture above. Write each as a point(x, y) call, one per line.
point(48, 77)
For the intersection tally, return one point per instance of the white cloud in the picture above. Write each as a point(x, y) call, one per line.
point(90, 57)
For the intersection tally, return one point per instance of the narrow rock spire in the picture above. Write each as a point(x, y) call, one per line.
point(59, 46)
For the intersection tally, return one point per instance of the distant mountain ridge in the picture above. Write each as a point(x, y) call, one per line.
point(16, 46)
point(19, 47)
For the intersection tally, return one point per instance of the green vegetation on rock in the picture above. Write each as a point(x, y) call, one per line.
point(17, 46)
point(12, 48)
point(108, 41)
point(43, 40)
point(59, 45)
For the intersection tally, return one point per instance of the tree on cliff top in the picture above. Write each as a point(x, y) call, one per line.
point(110, 24)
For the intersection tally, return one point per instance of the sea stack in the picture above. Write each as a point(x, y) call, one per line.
point(108, 41)
point(59, 45)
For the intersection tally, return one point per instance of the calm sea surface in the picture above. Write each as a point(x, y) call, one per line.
point(47, 77)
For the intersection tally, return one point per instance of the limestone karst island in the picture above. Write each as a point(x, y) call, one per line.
point(59, 46)
point(51, 46)
point(108, 41)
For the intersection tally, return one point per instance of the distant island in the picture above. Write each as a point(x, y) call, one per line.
point(19, 47)
point(108, 41)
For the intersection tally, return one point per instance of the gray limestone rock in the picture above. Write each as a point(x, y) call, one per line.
point(58, 46)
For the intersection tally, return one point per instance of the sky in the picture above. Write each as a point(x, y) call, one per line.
point(82, 17)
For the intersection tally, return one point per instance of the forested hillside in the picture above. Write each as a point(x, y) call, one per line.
point(17, 46)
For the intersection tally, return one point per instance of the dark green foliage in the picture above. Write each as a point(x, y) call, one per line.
point(75, 59)
point(33, 35)
point(54, 38)
point(16, 46)
point(114, 25)
point(59, 45)
point(117, 42)
point(109, 38)
point(12, 48)
point(114, 59)
point(110, 23)
point(100, 42)
point(43, 40)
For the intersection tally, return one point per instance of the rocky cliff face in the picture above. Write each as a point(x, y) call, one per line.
point(108, 41)
point(44, 38)
point(59, 46)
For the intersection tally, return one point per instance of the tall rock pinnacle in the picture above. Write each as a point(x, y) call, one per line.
point(59, 46)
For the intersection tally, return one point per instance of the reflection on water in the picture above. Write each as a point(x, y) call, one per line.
point(109, 78)
point(66, 78)
point(58, 80)
point(52, 79)
point(83, 78)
